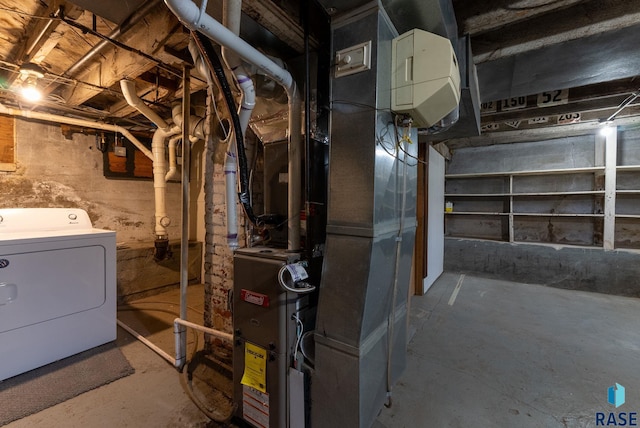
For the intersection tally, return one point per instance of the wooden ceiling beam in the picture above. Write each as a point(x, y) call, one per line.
point(581, 20)
point(502, 15)
point(117, 64)
point(278, 22)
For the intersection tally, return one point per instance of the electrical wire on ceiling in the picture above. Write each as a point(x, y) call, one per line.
point(56, 78)
point(23, 14)
point(166, 67)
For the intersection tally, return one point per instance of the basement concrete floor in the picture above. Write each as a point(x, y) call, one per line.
point(490, 353)
point(483, 353)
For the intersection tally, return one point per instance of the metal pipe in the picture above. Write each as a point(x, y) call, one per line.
point(77, 122)
point(147, 342)
point(38, 38)
point(184, 236)
point(631, 98)
point(196, 20)
point(307, 124)
point(126, 25)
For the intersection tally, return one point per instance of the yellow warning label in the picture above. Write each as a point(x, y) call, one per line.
point(255, 367)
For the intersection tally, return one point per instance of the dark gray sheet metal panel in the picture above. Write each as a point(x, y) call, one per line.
point(594, 59)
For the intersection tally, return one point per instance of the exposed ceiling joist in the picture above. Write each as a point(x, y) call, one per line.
point(117, 63)
point(583, 20)
point(494, 15)
point(286, 27)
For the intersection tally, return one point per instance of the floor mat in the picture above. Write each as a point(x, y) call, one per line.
point(54, 383)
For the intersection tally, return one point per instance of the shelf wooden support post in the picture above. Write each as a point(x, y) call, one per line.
point(611, 149)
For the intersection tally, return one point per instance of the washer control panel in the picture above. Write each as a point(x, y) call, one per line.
point(13, 220)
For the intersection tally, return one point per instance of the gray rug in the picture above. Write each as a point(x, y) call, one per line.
point(54, 383)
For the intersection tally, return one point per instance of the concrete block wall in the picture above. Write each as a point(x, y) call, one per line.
point(569, 267)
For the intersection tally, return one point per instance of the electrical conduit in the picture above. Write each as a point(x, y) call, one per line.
point(195, 18)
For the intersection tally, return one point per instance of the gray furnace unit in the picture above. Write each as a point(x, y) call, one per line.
point(268, 321)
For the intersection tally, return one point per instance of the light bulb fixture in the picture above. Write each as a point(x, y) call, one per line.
point(30, 74)
point(607, 128)
point(30, 91)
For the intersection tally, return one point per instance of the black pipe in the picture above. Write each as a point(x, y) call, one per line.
point(213, 62)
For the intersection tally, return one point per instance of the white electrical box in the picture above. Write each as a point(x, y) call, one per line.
point(425, 79)
point(353, 59)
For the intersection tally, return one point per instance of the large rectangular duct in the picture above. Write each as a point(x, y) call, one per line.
point(366, 189)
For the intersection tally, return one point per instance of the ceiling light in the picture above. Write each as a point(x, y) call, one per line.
point(607, 129)
point(30, 74)
point(30, 91)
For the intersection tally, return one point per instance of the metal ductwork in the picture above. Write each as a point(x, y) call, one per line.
point(438, 17)
point(368, 233)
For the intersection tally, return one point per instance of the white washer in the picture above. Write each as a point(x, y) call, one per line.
point(57, 286)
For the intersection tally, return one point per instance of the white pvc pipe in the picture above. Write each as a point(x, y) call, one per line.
point(162, 220)
point(212, 331)
point(231, 187)
point(199, 62)
point(129, 91)
point(181, 352)
point(194, 18)
point(77, 122)
point(173, 164)
point(147, 342)
point(197, 124)
point(231, 16)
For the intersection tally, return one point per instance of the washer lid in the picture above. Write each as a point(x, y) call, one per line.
point(15, 220)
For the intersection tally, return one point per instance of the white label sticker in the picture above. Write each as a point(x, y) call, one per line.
point(553, 98)
point(514, 103)
point(490, 127)
point(255, 407)
point(537, 120)
point(298, 273)
point(564, 119)
point(515, 124)
point(489, 107)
